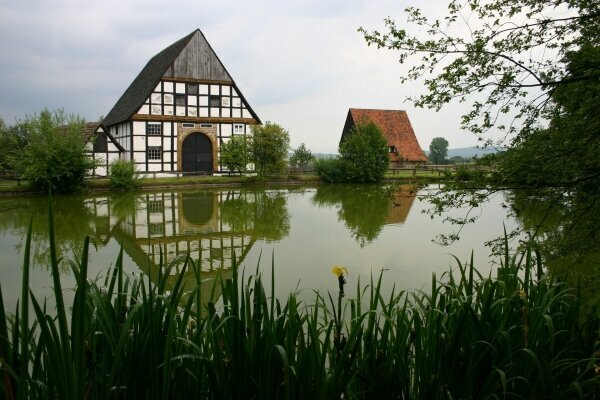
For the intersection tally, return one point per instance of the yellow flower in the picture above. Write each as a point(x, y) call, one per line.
point(338, 270)
point(521, 293)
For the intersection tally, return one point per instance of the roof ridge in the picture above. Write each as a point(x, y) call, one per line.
point(377, 109)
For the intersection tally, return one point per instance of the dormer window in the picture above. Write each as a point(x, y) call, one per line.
point(393, 149)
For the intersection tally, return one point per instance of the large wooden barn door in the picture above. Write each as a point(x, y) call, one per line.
point(196, 154)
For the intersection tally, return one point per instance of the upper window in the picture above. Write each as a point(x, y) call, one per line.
point(393, 149)
point(214, 101)
point(192, 88)
point(238, 128)
point(154, 129)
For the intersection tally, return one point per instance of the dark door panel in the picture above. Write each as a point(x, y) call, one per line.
point(196, 154)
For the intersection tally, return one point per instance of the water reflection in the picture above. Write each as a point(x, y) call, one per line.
point(566, 229)
point(365, 209)
point(75, 220)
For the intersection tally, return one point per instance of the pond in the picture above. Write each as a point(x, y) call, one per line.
point(303, 231)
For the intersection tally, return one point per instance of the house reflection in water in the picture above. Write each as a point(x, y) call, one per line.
point(167, 226)
point(401, 201)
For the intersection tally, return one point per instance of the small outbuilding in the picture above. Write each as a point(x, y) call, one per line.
point(396, 128)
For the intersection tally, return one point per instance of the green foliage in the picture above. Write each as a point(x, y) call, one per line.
point(123, 174)
point(468, 336)
point(464, 173)
point(55, 159)
point(364, 209)
point(332, 170)
point(301, 157)
point(458, 160)
point(363, 157)
point(269, 148)
point(265, 213)
point(13, 140)
point(507, 61)
point(235, 154)
point(438, 150)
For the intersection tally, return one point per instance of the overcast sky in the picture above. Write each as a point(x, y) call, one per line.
point(299, 63)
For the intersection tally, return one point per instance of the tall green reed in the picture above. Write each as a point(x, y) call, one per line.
point(518, 334)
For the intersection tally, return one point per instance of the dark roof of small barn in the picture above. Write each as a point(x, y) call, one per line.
point(175, 61)
point(89, 130)
point(394, 125)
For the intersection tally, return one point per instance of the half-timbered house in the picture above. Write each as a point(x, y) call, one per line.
point(396, 128)
point(177, 113)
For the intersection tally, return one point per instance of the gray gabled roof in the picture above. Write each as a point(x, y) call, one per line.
point(191, 57)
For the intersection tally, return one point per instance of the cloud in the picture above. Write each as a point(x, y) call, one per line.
point(300, 63)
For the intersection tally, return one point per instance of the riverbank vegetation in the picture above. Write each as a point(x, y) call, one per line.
point(363, 157)
point(518, 334)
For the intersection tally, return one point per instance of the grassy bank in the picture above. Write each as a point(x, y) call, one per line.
point(12, 188)
point(516, 335)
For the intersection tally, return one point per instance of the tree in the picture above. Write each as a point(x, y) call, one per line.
point(269, 146)
point(508, 61)
point(13, 140)
point(234, 154)
point(530, 70)
point(55, 156)
point(301, 157)
point(364, 152)
point(438, 150)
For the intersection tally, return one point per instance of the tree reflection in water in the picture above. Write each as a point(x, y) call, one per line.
point(365, 209)
point(565, 228)
point(75, 220)
point(265, 212)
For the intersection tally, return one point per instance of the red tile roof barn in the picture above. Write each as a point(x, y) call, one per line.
point(396, 128)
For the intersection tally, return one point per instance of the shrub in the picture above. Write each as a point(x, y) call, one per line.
point(301, 157)
point(55, 159)
point(123, 174)
point(332, 170)
point(269, 145)
point(235, 154)
point(363, 157)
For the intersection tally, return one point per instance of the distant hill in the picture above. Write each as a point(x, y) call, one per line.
point(468, 152)
point(324, 155)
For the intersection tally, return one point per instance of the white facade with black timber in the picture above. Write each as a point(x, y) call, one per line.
point(178, 112)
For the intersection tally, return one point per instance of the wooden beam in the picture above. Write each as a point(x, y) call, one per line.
point(192, 80)
point(197, 120)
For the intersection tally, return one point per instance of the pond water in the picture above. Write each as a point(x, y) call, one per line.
point(304, 231)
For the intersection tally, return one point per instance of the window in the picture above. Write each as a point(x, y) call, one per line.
point(214, 101)
point(155, 229)
point(206, 125)
point(155, 206)
point(100, 143)
point(393, 149)
point(180, 100)
point(238, 128)
point(154, 153)
point(185, 125)
point(192, 88)
point(154, 129)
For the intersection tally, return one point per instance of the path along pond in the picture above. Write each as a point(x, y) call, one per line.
point(304, 231)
